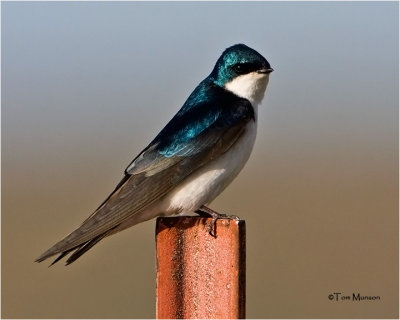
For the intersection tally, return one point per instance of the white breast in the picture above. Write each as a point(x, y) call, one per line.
point(208, 182)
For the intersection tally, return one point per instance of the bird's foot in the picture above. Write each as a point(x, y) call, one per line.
point(207, 212)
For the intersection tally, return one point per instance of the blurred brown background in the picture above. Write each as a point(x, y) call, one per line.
point(85, 86)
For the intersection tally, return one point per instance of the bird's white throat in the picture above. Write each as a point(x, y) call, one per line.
point(250, 86)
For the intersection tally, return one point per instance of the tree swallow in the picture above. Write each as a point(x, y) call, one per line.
point(191, 161)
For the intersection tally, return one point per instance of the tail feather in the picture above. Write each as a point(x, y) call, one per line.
point(79, 250)
point(62, 255)
point(84, 248)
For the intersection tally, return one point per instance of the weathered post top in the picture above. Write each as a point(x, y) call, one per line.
point(198, 275)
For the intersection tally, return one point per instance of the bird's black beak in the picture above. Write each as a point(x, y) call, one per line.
point(265, 71)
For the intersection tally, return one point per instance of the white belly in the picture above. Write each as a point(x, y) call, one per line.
point(208, 182)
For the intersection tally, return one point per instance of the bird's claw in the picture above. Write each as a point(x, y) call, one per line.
point(207, 212)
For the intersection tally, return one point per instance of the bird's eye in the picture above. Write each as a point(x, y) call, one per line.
point(243, 68)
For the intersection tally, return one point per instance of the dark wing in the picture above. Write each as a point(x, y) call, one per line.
point(187, 143)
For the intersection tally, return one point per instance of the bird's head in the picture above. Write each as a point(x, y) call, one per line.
point(243, 71)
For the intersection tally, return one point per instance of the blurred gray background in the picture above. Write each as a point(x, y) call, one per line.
point(86, 86)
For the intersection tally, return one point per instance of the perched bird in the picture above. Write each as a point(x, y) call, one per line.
point(191, 161)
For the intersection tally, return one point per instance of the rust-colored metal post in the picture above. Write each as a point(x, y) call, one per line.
point(200, 276)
